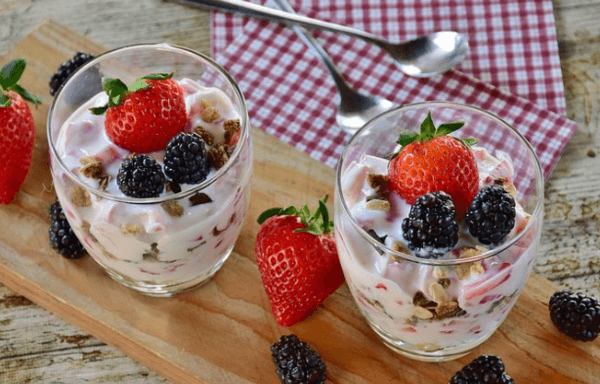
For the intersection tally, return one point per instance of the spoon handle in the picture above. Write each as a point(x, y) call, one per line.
point(311, 41)
point(290, 19)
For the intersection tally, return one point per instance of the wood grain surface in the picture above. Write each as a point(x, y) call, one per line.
point(37, 347)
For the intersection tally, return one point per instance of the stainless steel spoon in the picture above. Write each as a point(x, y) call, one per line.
point(421, 57)
point(355, 109)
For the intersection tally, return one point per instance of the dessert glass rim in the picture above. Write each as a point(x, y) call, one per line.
point(437, 262)
point(244, 126)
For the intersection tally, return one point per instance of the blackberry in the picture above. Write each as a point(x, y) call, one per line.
point(185, 159)
point(430, 228)
point(491, 215)
point(140, 176)
point(62, 237)
point(575, 315)
point(297, 362)
point(485, 369)
point(66, 69)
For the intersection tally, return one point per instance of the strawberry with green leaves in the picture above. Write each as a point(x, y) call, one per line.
point(17, 130)
point(432, 161)
point(298, 261)
point(144, 116)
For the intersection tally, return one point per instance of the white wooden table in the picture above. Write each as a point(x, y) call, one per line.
point(38, 347)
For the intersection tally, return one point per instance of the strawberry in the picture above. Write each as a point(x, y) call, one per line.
point(297, 260)
point(17, 130)
point(144, 116)
point(432, 161)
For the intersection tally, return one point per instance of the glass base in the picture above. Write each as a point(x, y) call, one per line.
point(167, 290)
point(421, 353)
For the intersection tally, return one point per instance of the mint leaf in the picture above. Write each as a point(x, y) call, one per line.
point(158, 76)
point(447, 128)
point(4, 100)
point(11, 73)
point(427, 128)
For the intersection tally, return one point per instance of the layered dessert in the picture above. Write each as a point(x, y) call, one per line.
point(430, 290)
point(164, 219)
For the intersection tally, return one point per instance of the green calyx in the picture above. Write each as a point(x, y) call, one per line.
point(9, 77)
point(316, 224)
point(117, 90)
point(429, 131)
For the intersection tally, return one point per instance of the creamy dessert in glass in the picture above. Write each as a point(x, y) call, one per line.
point(435, 293)
point(154, 180)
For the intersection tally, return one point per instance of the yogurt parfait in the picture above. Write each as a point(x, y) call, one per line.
point(438, 212)
point(153, 172)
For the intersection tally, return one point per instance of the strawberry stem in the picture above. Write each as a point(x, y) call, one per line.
point(316, 224)
point(428, 131)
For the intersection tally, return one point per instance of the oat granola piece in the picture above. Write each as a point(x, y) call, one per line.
point(131, 229)
point(231, 127)
point(464, 270)
point(91, 168)
point(207, 136)
point(445, 309)
point(209, 112)
point(218, 156)
point(380, 184)
point(378, 205)
point(173, 208)
point(199, 198)
point(422, 313)
point(438, 292)
point(80, 197)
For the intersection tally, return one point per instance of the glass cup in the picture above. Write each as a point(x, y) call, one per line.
point(435, 309)
point(164, 245)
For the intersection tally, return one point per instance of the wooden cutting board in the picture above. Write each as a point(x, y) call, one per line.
point(221, 333)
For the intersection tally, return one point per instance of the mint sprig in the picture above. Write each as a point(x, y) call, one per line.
point(10, 74)
point(117, 89)
point(429, 131)
point(316, 224)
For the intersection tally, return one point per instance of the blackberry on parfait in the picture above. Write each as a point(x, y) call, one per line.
point(430, 229)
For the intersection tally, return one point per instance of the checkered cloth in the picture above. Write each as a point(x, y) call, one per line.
point(512, 70)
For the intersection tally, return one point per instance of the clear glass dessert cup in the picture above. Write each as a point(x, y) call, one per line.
point(426, 308)
point(164, 245)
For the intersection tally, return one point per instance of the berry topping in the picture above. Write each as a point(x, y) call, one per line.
point(298, 261)
point(297, 362)
point(483, 370)
point(431, 161)
point(144, 116)
point(66, 69)
point(430, 228)
point(17, 130)
point(185, 159)
point(491, 215)
point(140, 176)
point(62, 237)
point(575, 315)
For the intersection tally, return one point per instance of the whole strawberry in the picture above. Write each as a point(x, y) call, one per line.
point(431, 161)
point(144, 116)
point(297, 260)
point(17, 130)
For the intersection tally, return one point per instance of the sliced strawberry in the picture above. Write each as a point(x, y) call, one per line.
point(431, 161)
point(298, 261)
point(144, 116)
point(17, 130)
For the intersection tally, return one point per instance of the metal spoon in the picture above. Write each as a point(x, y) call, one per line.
point(355, 109)
point(421, 57)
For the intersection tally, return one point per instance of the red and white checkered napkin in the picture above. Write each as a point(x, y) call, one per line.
point(513, 68)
